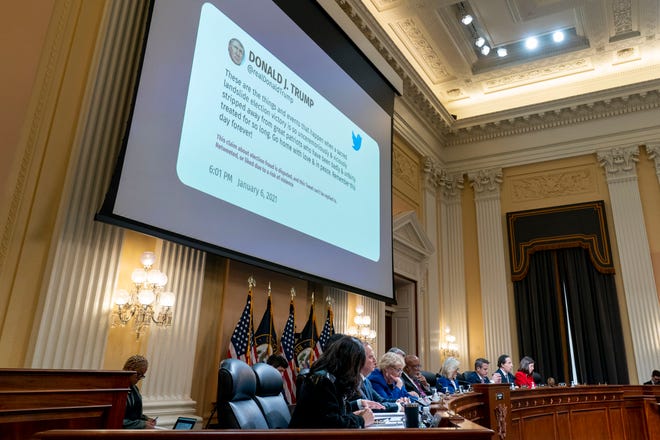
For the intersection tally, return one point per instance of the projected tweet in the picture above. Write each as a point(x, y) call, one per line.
point(258, 136)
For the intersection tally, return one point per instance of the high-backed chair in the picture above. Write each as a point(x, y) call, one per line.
point(237, 408)
point(430, 378)
point(269, 396)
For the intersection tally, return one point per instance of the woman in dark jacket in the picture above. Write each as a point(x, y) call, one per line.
point(323, 398)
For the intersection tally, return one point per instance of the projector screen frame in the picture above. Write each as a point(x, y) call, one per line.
point(107, 215)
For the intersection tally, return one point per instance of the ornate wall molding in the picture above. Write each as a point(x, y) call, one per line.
point(553, 184)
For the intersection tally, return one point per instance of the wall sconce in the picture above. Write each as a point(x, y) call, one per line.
point(362, 329)
point(146, 303)
point(449, 347)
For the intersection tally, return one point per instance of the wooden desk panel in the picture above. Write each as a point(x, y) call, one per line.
point(609, 412)
point(457, 433)
point(38, 400)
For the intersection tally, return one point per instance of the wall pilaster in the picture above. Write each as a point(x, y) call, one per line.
point(495, 299)
point(635, 255)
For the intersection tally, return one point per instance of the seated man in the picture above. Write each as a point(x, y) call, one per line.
point(412, 377)
point(655, 378)
point(368, 398)
point(480, 373)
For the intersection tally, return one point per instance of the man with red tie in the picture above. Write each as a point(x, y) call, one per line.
point(480, 373)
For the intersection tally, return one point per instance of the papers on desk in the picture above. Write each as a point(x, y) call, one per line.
point(388, 420)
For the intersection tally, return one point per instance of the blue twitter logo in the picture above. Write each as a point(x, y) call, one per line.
point(357, 141)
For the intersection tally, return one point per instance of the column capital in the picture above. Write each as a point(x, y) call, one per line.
point(619, 163)
point(452, 185)
point(486, 182)
point(653, 151)
point(433, 174)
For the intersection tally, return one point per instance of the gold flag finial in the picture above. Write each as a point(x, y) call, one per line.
point(293, 293)
point(251, 282)
point(268, 288)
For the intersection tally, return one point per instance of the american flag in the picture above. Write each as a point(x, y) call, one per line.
point(242, 345)
point(287, 343)
point(328, 330)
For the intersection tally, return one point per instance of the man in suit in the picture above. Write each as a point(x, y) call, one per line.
point(480, 373)
point(504, 368)
point(655, 378)
point(368, 398)
point(412, 377)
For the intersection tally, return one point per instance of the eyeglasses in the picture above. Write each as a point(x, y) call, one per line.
point(139, 375)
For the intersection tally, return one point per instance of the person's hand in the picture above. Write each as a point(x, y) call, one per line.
point(367, 415)
point(150, 424)
point(371, 404)
point(398, 382)
point(413, 393)
point(403, 400)
point(497, 378)
point(422, 380)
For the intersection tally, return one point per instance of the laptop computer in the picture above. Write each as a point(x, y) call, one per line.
point(184, 423)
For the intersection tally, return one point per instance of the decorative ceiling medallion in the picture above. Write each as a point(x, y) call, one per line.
point(410, 33)
point(537, 75)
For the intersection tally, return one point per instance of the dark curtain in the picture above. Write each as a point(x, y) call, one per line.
point(600, 355)
point(539, 316)
point(593, 312)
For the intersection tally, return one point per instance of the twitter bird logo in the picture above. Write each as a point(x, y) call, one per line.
point(357, 141)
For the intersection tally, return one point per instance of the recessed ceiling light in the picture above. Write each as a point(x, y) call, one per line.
point(531, 43)
point(485, 50)
point(480, 41)
point(502, 52)
point(466, 19)
point(558, 36)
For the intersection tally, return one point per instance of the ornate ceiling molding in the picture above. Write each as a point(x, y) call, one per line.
point(522, 120)
point(543, 120)
point(413, 89)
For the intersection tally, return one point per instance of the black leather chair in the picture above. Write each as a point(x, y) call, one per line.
point(237, 408)
point(430, 378)
point(269, 396)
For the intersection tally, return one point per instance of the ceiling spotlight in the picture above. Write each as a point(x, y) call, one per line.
point(466, 19)
point(480, 41)
point(502, 52)
point(558, 36)
point(485, 50)
point(531, 43)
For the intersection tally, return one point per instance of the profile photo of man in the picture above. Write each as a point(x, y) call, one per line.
point(236, 51)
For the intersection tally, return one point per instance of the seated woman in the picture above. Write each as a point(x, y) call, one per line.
point(447, 377)
point(524, 377)
point(323, 396)
point(386, 379)
point(133, 417)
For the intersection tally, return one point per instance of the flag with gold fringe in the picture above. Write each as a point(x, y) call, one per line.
point(327, 331)
point(287, 344)
point(265, 337)
point(307, 338)
point(241, 345)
